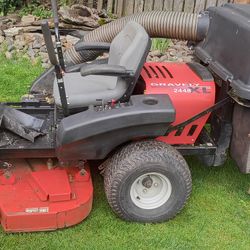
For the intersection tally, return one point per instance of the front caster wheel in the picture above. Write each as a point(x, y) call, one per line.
point(147, 181)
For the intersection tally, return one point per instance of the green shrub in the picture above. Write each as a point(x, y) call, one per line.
point(36, 10)
point(160, 44)
point(7, 6)
point(33, 7)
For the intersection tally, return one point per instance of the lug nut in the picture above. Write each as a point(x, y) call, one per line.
point(145, 190)
point(156, 184)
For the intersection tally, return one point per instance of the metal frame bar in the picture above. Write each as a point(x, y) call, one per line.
point(204, 145)
point(59, 68)
point(218, 105)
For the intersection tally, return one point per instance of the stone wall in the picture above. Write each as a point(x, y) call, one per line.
point(23, 37)
point(15, 41)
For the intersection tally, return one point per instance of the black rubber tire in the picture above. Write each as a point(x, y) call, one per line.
point(142, 157)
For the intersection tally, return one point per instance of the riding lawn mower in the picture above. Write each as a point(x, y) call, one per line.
point(137, 118)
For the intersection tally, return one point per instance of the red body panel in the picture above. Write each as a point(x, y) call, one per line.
point(189, 94)
point(40, 199)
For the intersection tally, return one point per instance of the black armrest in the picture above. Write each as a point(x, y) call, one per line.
point(107, 70)
point(97, 46)
point(77, 67)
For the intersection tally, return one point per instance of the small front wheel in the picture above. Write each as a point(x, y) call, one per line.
point(147, 181)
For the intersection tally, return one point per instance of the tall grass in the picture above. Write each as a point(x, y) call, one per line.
point(160, 44)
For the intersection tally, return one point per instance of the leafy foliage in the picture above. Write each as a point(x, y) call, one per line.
point(9, 6)
point(25, 7)
point(160, 44)
point(36, 10)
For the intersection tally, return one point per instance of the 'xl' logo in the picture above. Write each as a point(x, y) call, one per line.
point(199, 90)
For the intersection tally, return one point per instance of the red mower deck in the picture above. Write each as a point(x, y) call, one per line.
point(34, 198)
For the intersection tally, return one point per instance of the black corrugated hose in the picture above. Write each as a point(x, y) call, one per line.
point(166, 24)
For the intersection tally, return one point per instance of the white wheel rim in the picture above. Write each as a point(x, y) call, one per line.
point(154, 194)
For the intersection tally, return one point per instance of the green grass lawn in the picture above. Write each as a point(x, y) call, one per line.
point(15, 77)
point(217, 215)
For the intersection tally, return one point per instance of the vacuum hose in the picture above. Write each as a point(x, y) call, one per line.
point(166, 24)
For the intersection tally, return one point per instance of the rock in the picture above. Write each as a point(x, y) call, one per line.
point(9, 41)
point(155, 59)
point(11, 47)
point(164, 58)
point(37, 36)
point(1, 39)
point(172, 52)
point(38, 41)
point(180, 54)
point(28, 20)
point(63, 39)
point(28, 38)
point(179, 46)
point(37, 44)
point(35, 61)
point(8, 55)
point(31, 53)
point(45, 60)
point(44, 57)
point(32, 28)
point(19, 42)
point(13, 32)
point(170, 43)
point(19, 38)
point(36, 51)
point(46, 65)
point(103, 56)
point(14, 18)
point(79, 15)
point(177, 51)
point(71, 39)
point(68, 45)
point(155, 53)
point(187, 58)
point(43, 49)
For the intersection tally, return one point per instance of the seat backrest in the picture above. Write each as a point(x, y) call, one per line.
point(130, 48)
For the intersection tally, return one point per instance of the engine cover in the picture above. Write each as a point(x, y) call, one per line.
point(191, 89)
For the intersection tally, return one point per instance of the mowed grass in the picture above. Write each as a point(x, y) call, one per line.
point(217, 216)
point(16, 76)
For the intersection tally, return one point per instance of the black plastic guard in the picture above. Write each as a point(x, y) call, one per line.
point(92, 134)
point(22, 124)
point(226, 47)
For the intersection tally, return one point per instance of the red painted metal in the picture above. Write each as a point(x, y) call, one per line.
point(189, 94)
point(33, 198)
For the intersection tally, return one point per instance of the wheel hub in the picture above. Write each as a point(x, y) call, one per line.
point(147, 182)
point(150, 191)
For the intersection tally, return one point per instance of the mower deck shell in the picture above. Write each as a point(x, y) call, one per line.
point(34, 198)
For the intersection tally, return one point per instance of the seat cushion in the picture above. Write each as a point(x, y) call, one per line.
point(128, 49)
point(84, 91)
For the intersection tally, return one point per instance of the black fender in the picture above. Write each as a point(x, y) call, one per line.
point(92, 134)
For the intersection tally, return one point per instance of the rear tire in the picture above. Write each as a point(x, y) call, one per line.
point(147, 181)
